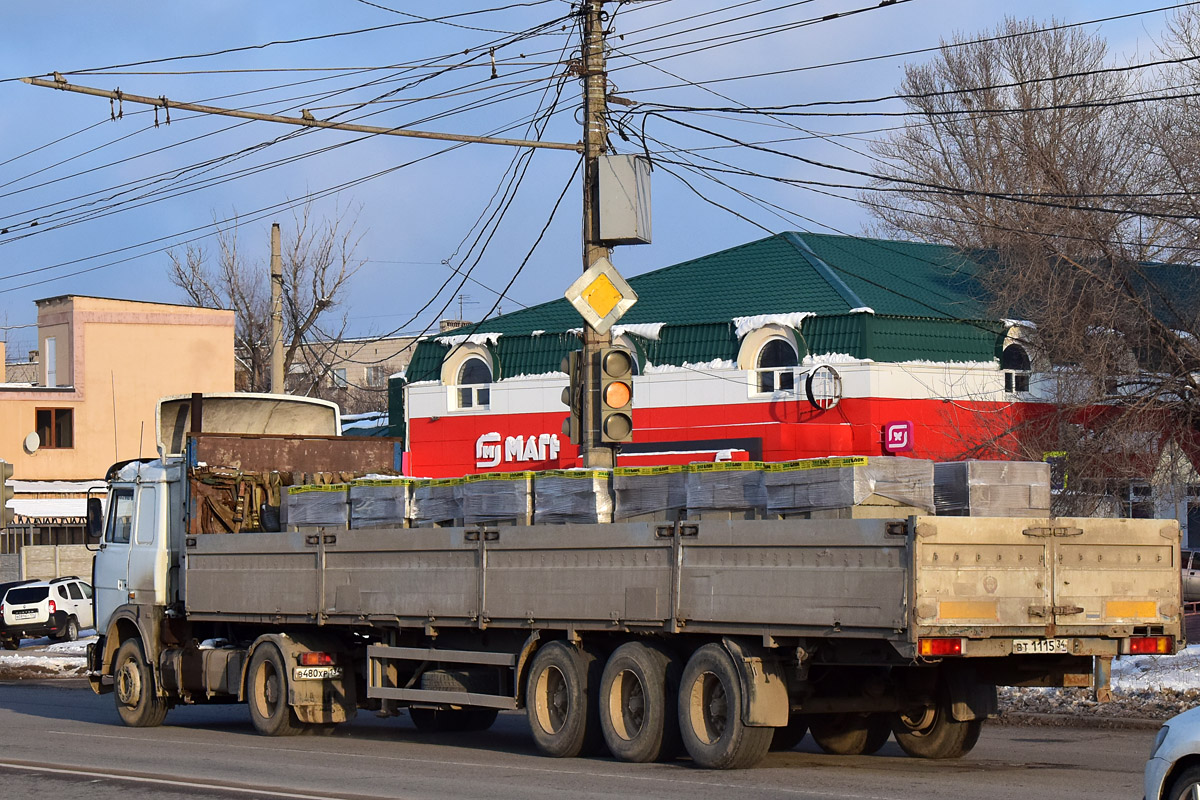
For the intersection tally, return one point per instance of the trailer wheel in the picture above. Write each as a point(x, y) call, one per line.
point(850, 734)
point(138, 704)
point(639, 692)
point(266, 693)
point(452, 720)
point(787, 737)
point(710, 713)
point(934, 733)
point(560, 700)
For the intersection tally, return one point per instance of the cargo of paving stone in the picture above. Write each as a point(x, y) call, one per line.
point(572, 496)
point(992, 488)
point(852, 487)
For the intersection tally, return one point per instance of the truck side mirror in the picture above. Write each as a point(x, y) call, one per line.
point(95, 518)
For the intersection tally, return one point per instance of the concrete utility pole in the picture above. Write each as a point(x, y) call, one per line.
point(595, 141)
point(277, 378)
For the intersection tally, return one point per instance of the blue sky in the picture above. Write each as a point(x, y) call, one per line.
point(415, 217)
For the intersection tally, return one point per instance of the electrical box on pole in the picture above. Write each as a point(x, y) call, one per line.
point(616, 395)
point(6, 494)
point(572, 396)
point(624, 199)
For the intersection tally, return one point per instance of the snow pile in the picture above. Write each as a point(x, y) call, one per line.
point(1143, 687)
point(41, 658)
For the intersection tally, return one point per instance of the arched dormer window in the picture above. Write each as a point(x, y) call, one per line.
point(1015, 364)
point(774, 362)
point(474, 384)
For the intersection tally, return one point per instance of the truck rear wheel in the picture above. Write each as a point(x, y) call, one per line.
point(710, 713)
point(560, 700)
point(934, 733)
point(638, 695)
point(850, 734)
point(138, 704)
point(787, 737)
point(266, 692)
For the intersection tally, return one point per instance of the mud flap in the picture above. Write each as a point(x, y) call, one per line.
point(764, 687)
point(316, 701)
point(970, 699)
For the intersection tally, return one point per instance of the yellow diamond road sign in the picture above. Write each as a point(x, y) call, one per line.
point(601, 295)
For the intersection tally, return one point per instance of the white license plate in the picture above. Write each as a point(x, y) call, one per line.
point(1021, 646)
point(25, 612)
point(316, 673)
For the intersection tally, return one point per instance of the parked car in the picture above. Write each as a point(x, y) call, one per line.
point(1173, 771)
point(6, 641)
point(1190, 561)
point(59, 608)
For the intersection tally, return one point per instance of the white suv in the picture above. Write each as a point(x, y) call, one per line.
point(58, 608)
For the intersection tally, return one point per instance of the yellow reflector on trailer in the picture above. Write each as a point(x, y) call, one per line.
point(1131, 609)
point(967, 609)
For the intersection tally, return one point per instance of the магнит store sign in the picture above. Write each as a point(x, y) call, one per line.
point(490, 450)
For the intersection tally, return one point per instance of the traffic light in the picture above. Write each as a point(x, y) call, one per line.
point(572, 396)
point(6, 494)
point(616, 395)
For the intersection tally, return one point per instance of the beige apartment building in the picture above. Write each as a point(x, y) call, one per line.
point(102, 365)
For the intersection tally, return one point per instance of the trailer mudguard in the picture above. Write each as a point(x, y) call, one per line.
point(764, 687)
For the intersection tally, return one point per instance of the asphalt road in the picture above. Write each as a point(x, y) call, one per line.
point(58, 740)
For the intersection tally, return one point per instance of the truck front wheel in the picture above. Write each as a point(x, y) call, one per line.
point(710, 713)
point(266, 691)
point(138, 704)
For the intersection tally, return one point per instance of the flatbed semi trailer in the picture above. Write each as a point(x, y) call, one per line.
point(716, 638)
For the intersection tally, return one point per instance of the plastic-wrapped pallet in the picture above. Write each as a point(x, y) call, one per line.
point(992, 488)
point(498, 497)
point(819, 484)
point(650, 493)
point(736, 487)
point(379, 503)
point(436, 501)
point(311, 505)
point(572, 495)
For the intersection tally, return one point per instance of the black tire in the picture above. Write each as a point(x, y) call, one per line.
point(11, 644)
point(560, 700)
point(266, 694)
point(460, 680)
point(138, 703)
point(1185, 786)
point(70, 631)
point(710, 713)
point(639, 694)
point(850, 734)
point(790, 735)
point(452, 720)
point(932, 733)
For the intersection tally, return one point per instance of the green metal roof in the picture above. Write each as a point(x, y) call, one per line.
point(927, 303)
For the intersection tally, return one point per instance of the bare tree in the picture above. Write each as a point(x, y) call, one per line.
point(319, 259)
point(1025, 151)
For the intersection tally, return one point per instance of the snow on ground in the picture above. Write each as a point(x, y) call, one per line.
point(45, 658)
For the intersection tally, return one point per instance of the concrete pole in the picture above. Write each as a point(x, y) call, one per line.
point(596, 455)
point(277, 378)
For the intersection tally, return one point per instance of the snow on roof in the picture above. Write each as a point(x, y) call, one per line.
point(54, 487)
point(474, 338)
point(744, 325)
point(646, 330)
point(49, 508)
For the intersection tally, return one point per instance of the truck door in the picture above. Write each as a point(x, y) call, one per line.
point(112, 562)
point(147, 551)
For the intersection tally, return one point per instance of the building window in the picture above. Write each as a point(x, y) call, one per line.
point(55, 427)
point(377, 376)
point(1015, 363)
point(473, 387)
point(776, 365)
point(339, 378)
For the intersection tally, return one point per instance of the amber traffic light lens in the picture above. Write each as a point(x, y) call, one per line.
point(617, 395)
